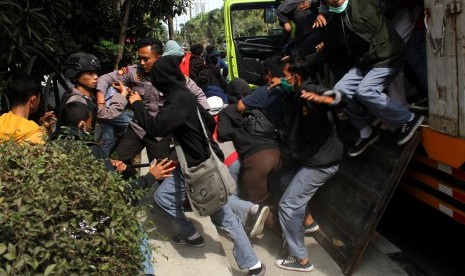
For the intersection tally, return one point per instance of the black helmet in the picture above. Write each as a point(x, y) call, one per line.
point(79, 62)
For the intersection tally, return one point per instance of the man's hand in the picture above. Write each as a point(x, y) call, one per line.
point(134, 97)
point(310, 96)
point(48, 121)
point(163, 169)
point(320, 21)
point(319, 47)
point(274, 82)
point(118, 85)
point(119, 165)
point(307, 4)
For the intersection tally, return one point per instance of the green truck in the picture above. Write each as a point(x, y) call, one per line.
point(430, 168)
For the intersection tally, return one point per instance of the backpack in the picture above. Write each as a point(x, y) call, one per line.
point(257, 123)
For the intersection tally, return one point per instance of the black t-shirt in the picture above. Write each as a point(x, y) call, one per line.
point(311, 139)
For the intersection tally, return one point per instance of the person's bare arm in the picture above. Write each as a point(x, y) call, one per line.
point(314, 97)
point(241, 107)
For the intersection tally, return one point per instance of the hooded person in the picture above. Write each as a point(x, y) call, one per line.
point(172, 48)
point(179, 117)
point(237, 89)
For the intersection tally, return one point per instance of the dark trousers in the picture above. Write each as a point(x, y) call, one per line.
point(255, 170)
point(130, 145)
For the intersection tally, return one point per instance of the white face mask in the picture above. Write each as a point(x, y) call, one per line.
point(340, 9)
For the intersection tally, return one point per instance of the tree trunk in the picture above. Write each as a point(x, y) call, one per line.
point(122, 34)
point(211, 40)
point(170, 27)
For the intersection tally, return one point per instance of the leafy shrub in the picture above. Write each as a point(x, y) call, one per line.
point(62, 213)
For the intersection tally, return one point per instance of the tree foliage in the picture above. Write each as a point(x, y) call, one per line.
point(62, 213)
point(209, 28)
point(58, 28)
point(204, 28)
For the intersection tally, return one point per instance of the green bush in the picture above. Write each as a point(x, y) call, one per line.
point(62, 213)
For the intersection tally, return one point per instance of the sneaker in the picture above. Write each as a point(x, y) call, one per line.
point(312, 228)
point(292, 263)
point(421, 105)
point(261, 271)
point(362, 144)
point(258, 220)
point(406, 131)
point(197, 242)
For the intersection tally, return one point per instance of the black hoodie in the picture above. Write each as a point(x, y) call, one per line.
point(178, 116)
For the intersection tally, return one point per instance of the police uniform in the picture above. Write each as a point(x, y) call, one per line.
point(136, 138)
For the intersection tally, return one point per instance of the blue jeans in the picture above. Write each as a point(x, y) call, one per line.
point(170, 196)
point(301, 184)
point(367, 88)
point(116, 125)
point(239, 207)
point(147, 251)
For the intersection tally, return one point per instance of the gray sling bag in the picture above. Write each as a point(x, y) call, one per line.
point(208, 183)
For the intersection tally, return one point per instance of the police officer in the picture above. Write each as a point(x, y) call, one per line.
point(82, 70)
point(137, 78)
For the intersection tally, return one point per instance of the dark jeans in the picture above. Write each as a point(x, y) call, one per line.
point(130, 145)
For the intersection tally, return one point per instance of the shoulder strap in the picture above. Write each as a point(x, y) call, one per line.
point(180, 152)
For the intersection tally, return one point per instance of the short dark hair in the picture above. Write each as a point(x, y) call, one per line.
point(155, 45)
point(210, 49)
point(74, 112)
point(197, 49)
point(211, 60)
point(274, 65)
point(301, 68)
point(21, 87)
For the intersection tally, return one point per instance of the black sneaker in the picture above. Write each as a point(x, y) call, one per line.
point(362, 144)
point(197, 242)
point(406, 131)
point(421, 105)
point(261, 271)
point(312, 228)
point(292, 263)
point(258, 220)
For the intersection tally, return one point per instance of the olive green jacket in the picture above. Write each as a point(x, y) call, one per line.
point(365, 18)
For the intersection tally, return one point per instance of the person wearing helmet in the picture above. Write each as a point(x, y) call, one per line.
point(82, 70)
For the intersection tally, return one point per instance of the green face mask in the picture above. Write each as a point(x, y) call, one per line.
point(339, 9)
point(287, 87)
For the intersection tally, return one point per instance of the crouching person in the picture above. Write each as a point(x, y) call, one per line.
point(179, 117)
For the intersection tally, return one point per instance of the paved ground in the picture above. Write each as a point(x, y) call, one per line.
point(216, 258)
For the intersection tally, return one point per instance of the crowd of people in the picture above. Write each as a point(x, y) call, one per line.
point(279, 141)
